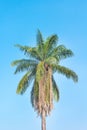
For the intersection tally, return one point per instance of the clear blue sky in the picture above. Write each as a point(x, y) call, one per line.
point(19, 21)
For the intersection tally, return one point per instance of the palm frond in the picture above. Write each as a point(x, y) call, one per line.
point(52, 41)
point(51, 60)
point(23, 48)
point(34, 94)
point(32, 97)
point(16, 62)
point(65, 71)
point(24, 64)
point(39, 38)
point(61, 52)
point(33, 52)
point(55, 90)
point(24, 82)
point(40, 44)
point(50, 44)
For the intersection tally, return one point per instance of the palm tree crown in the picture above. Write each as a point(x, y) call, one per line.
point(40, 66)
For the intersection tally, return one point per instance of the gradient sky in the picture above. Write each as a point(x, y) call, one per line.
point(19, 21)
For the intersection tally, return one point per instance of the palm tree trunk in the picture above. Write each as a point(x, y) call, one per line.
point(43, 118)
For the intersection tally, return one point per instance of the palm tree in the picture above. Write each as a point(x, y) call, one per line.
point(41, 64)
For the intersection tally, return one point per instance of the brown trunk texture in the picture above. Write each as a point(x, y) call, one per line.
point(43, 120)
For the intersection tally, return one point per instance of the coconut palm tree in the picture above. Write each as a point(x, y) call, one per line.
point(40, 66)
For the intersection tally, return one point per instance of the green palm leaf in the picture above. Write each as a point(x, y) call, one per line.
point(51, 60)
point(25, 81)
point(24, 64)
point(17, 62)
point(39, 38)
point(33, 52)
point(34, 93)
point(65, 71)
point(50, 44)
point(32, 97)
point(60, 52)
point(63, 52)
point(55, 90)
point(40, 44)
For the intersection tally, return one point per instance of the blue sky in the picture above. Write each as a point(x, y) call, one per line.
point(19, 21)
